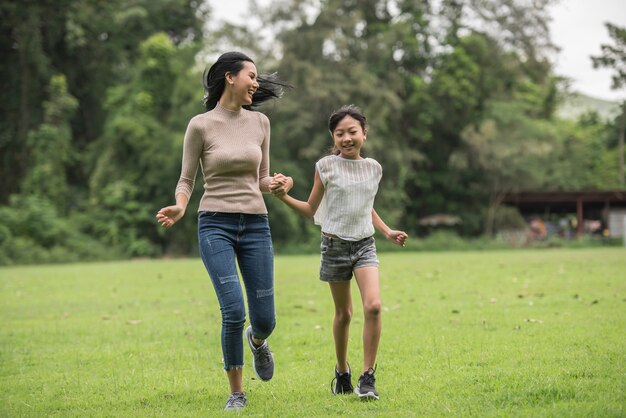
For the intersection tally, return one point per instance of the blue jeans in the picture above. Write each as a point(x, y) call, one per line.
point(224, 238)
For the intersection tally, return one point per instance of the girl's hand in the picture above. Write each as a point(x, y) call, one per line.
point(169, 215)
point(398, 237)
point(280, 184)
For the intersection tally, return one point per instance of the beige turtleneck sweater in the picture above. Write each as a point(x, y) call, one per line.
point(232, 147)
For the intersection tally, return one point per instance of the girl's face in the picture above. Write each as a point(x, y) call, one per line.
point(244, 84)
point(349, 137)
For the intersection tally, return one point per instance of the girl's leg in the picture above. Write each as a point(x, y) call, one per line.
point(341, 323)
point(368, 280)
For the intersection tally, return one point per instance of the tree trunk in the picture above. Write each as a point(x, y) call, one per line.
point(494, 204)
point(620, 145)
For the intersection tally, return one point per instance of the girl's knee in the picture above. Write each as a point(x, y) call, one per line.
point(343, 316)
point(372, 308)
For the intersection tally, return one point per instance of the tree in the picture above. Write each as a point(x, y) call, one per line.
point(91, 43)
point(423, 71)
point(51, 148)
point(614, 57)
point(347, 52)
point(511, 150)
point(134, 162)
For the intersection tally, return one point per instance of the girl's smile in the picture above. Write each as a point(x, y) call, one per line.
point(349, 137)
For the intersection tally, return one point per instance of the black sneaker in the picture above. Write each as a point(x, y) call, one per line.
point(366, 388)
point(342, 383)
point(236, 401)
point(262, 359)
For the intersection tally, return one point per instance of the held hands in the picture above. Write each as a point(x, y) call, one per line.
point(397, 237)
point(280, 185)
point(169, 215)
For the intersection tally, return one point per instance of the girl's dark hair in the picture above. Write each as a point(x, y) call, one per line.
point(214, 78)
point(348, 110)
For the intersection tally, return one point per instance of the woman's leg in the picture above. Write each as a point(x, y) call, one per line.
point(255, 255)
point(216, 244)
point(235, 379)
point(369, 284)
point(341, 323)
point(256, 263)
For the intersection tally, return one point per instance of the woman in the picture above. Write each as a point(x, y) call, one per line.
point(231, 143)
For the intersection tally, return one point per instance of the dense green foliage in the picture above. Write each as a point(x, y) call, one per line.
point(460, 96)
point(614, 57)
point(465, 334)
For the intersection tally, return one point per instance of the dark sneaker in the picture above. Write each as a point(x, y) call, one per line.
point(236, 401)
point(366, 388)
point(342, 383)
point(262, 359)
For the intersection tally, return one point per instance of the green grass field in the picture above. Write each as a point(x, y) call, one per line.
point(495, 333)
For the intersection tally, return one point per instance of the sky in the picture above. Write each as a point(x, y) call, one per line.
point(577, 28)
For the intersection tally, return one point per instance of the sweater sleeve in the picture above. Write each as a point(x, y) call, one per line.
point(264, 167)
point(192, 150)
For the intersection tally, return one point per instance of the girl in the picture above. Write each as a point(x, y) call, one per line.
point(341, 201)
point(231, 144)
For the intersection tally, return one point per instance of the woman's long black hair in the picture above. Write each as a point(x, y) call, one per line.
point(232, 62)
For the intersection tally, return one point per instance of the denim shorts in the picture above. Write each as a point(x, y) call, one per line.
point(340, 257)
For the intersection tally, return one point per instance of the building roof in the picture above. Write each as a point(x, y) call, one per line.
point(607, 196)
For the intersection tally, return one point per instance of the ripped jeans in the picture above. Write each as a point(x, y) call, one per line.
point(224, 238)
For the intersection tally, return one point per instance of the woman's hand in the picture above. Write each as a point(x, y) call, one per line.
point(280, 184)
point(169, 215)
point(397, 237)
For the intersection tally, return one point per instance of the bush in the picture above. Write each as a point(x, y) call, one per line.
point(31, 232)
point(508, 218)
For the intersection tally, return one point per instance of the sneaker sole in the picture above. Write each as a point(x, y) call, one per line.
point(347, 392)
point(366, 396)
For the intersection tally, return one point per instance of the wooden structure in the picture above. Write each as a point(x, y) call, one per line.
point(585, 204)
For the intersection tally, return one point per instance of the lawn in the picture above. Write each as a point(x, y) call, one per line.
point(493, 333)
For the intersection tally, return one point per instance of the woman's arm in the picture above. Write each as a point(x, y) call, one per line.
point(264, 167)
point(192, 149)
point(169, 215)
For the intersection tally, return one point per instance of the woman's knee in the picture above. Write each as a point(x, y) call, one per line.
point(234, 317)
point(263, 327)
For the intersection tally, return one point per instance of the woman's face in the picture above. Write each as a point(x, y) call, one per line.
point(349, 137)
point(244, 84)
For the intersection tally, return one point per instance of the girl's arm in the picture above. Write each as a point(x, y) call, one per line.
point(397, 237)
point(308, 208)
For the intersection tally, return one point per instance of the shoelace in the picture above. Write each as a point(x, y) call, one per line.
point(264, 355)
point(368, 379)
point(343, 380)
point(237, 400)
